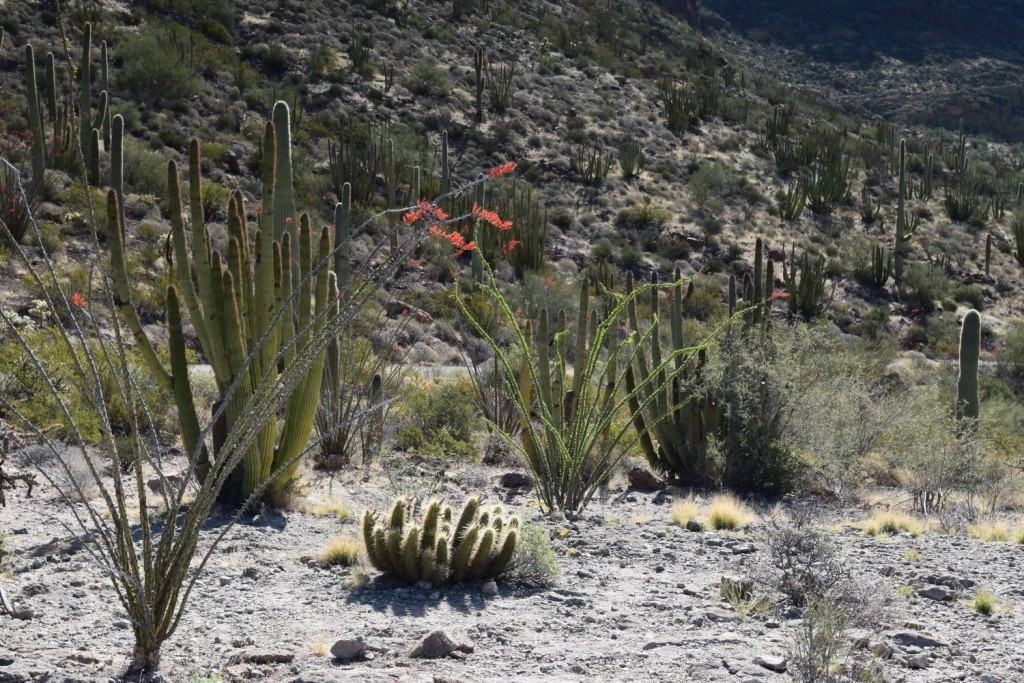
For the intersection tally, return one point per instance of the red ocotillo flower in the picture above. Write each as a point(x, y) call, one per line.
point(503, 169)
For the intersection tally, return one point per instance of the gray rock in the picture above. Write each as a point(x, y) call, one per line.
point(438, 644)
point(514, 480)
point(772, 663)
point(907, 638)
point(489, 588)
point(695, 526)
point(348, 648)
point(920, 661)
point(643, 480)
point(937, 593)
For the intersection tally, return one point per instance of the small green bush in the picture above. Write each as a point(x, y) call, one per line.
point(924, 285)
point(153, 69)
point(439, 420)
point(427, 79)
point(706, 301)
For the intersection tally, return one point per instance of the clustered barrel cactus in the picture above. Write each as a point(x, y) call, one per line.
point(479, 544)
point(232, 296)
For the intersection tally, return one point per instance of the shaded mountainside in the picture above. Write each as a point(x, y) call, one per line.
point(926, 63)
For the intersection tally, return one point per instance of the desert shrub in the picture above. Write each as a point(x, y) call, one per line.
point(924, 284)
point(642, 219)
point(439, 419)
point(711, 180)
point(684, 511)
point(841, 417)
point(892, 522)
point(756, 386)
point(533, 563)
point(930, 455)
point(705, 303)
point(428, 79)
point(1010, 355)
point(971, 295)
point(145, 171)
point(153, 68)
point(22, 386)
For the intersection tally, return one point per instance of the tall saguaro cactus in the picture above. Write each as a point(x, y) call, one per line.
point(967, 401)
point(259, 302)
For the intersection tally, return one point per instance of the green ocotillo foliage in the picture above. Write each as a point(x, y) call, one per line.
point(903, 231)
point(478, 544)
point(673, 419)
point(244, 303)
point(967, 401)
point(564, 384)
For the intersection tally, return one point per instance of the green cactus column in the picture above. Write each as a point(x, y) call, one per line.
point(967, 401)
point(903, 234)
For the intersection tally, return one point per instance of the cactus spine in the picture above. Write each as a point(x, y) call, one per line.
point(481, 545)
point(967, 401)
point(232, 298)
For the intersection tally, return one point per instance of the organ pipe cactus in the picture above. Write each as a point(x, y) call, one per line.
point(903, 231)
point(988, 254)
point(673, 419)
point(86, 122)
point(881, 265)
point(478, 544)
point(757, 288)
point(967, 402)
point(805, 284)
point(232, 296)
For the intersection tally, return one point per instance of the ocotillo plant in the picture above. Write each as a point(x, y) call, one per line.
point(573, 415)
point(231, 298)
point(479, 544)
point(679, 416)
point(967, 401)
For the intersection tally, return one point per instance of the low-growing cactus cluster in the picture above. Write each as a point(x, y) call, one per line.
point(478, 544)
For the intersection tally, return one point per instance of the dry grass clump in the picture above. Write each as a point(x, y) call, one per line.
point(989, 531)
point(1018, 537)
point(728, 512)
point(889, 522)
point(329, 508)
point(342, 551)
point(684, 511)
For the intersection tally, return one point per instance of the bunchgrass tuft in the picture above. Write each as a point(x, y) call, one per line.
point(341, 551)
point(684, 511)
point(728, 512)
point(892, 522)
point(989, 531)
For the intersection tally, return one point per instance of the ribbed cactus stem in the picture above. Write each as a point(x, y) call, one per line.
point(85, 93)
point(35, 119)
point(988, 254)
point(967, 401)
point(903, 235)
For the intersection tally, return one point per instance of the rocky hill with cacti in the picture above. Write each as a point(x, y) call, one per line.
point(721, 301)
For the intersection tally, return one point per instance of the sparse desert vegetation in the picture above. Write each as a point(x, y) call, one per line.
point(364, 340)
